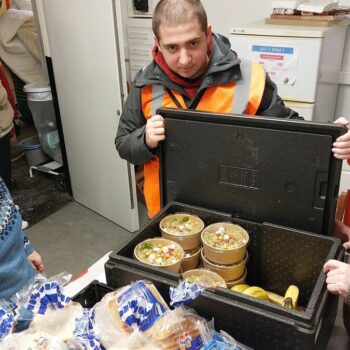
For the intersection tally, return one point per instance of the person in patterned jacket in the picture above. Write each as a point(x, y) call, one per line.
point(19, 262)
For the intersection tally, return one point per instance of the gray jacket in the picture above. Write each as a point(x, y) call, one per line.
point(224, 67)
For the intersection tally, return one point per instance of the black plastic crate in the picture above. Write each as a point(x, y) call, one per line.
point(253, 172)
point(92, 294)
point(258, 169)
point(248, 321)
point(278, 257)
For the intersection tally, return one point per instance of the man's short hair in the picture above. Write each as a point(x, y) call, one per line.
point(174, 12)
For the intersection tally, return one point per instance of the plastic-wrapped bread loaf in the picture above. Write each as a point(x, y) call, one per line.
point(177, 330)
point(60, 323)
point(134, 307)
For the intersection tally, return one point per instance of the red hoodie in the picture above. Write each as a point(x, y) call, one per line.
point(10, 97)
point(190, 86)
point(6, 85)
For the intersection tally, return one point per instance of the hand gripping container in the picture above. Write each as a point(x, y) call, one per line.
point(279, 180)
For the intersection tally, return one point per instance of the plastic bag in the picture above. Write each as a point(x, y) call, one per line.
point(46, 295)
point(135, 341)
point(213, 340)
point(28, 340)
point(22, 297)
point(184, 293)
point(129, 309)
point(40, 293)
point(61, 322)
point(71, 326)
point(107, 326)
point(7, 320)
point(177, 329)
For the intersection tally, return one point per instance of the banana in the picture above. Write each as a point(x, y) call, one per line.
point(256, 292)
point(291, 297)
point(240, 288)
point(289, 300)
point(275, 298)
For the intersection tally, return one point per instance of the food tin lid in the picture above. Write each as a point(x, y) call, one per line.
point(253, 168)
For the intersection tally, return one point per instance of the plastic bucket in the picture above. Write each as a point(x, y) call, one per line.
point(40, 91)
point(41, 106)
point(33, 151)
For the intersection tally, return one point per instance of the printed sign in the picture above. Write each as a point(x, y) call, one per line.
point(280, 62)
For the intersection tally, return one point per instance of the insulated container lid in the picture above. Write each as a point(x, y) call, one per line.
point(254, 168)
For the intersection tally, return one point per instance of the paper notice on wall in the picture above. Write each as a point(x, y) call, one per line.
point(279, 61)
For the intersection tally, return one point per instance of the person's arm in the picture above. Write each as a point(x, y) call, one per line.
point(36, 261)
point(34, 258)
point(6, 112)
point(28, 248)
point(130, 139)
point(271, 104)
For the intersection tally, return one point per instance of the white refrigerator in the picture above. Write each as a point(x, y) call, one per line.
point(304, 62)
point(84, 42)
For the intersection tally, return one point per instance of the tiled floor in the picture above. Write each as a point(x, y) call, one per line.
point(38, 196)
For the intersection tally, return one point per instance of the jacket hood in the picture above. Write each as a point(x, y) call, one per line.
point(223, 57)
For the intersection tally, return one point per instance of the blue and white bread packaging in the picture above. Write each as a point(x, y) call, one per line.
point(121, 316)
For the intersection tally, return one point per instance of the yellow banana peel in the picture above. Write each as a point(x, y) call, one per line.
point(275, 298)
point(291, 297)
point(256, 292)
point(240, 288)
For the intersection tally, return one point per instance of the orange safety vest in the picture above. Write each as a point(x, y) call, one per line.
point(240, 97)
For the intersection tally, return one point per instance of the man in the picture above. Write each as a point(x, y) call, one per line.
point(192, 69)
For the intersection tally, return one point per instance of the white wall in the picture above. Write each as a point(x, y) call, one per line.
point(223, 14)
point(343, 104)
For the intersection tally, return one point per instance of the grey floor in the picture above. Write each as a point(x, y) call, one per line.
point(75, 237)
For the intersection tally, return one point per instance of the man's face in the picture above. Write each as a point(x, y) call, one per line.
point(184, 48)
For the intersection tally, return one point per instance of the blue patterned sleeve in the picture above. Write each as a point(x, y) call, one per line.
point(28, 248)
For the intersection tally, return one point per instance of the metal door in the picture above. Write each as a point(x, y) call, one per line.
point(83, 40)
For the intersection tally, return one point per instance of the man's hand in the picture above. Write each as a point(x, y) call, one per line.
point(338, 277)
point(36, 261)
point(341, 147)
point(155, 131)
